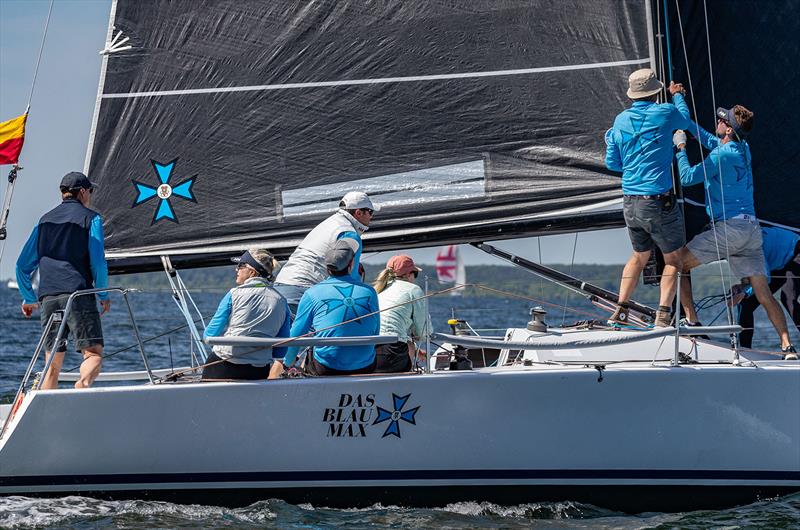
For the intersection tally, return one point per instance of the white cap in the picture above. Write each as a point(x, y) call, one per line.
point(354, 200)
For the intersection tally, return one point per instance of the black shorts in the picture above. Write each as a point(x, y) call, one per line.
point(392, 358)
point(83, 321)
point(654, 222)
point(315, 368)
point(229, 370)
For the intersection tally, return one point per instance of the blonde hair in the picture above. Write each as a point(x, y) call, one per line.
point(383, 280)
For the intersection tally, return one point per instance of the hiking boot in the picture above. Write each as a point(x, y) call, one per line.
point(620, 315)
point(663, 319)
point(789, 353)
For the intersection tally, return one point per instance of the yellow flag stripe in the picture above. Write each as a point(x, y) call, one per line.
point(14, 128)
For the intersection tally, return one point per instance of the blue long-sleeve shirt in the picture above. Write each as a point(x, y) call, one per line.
point(779, 245)
point(640, 145)
point(28, 261)
point(331, 302)
point(726, 174)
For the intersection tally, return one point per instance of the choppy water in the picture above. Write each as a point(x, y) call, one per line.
point(80, 512)
point(155, 313)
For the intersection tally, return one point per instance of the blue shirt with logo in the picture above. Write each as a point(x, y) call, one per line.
point(640, 145)
point(726, 174)
point(331, 302)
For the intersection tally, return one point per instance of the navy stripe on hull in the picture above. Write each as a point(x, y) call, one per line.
point(630, 499)
point(393, 475)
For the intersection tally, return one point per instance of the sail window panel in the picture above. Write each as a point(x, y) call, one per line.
point(413, 188)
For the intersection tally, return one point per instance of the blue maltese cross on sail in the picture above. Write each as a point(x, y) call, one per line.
point(394, 416)
point(164, 191)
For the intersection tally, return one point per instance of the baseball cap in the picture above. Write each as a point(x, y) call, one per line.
point(730, 118)
point(75, 180)
point(355, 200)
point(260, 259)
point(643, 83)
point(402, 264)
point(341, 254)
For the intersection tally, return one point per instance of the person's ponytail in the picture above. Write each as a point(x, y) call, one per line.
point(384, 279)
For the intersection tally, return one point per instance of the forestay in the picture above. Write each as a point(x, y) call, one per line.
point(228, 123)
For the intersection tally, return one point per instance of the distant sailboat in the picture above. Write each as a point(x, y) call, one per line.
point(450, 267)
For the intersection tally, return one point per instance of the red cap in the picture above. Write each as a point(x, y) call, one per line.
point(402, 264)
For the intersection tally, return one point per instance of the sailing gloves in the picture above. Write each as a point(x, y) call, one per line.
point(679, 139)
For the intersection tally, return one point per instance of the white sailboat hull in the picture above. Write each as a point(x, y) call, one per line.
point(642, 438)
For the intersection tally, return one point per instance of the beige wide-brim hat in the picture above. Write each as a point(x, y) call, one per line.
point(643, 83)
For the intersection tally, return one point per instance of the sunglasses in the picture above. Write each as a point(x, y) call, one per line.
point(415, 273)
point(240, 266)
point(368, 210)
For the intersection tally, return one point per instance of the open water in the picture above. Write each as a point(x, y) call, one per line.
point(156, 313)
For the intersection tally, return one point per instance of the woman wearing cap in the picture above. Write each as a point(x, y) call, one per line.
point(251, 309)
point(404, 312)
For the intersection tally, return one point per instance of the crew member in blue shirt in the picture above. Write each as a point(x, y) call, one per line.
point(638, 146)
point(734, 234)
point(332, 308)
point(67, 248)
point(782, 254)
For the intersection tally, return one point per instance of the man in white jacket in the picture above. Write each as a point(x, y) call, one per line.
point(306, 266)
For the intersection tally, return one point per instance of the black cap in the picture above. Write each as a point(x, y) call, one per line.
point(75, 180)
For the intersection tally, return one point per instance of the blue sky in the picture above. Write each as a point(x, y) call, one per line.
point(61, 112)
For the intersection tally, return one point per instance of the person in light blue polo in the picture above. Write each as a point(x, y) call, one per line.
point(638, 145)
point(782, 254)
point(339, 306)
point(735, 234)
point(67, 248)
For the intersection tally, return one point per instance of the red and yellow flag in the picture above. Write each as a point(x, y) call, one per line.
point(12, 134)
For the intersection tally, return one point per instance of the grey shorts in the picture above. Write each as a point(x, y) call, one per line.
point(654, 222)
point(83, 321)
point(737, 241)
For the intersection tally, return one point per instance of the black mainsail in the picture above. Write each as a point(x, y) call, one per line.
point(229, 123)
point(754, 53)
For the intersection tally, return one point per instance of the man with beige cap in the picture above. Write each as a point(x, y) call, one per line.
point(640, 146)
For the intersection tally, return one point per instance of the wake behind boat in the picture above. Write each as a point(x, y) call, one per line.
point(246, 126)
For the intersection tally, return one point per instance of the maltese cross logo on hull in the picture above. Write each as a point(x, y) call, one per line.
point(164, 191)
point(394, 416)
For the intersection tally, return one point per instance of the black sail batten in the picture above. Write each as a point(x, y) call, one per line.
point(228, 123)
point(754, 51)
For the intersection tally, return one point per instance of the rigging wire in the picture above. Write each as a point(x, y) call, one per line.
point(13, 175)
point(39, 57)
point(571, 268)
point(705, 174)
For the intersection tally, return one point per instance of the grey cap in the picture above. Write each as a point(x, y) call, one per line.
point(643, 83)
point(341, 254)
point(75, 180)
